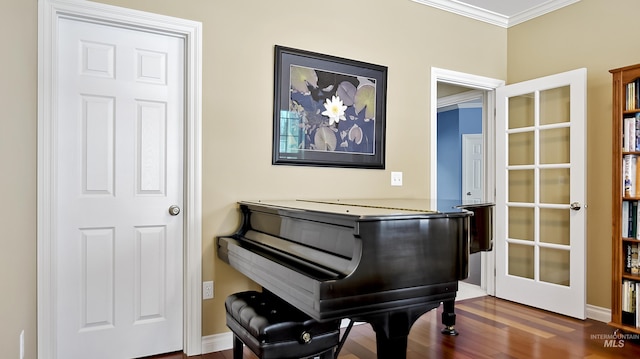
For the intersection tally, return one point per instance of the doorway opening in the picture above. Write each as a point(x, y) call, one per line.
point(460, 155)
point(465, 105)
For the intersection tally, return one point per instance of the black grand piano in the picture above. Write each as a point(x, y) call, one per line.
point(385, 262)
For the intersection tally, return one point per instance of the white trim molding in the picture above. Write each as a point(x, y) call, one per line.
point(49, 13)
point(217, 342)
point(479, 83)
point(494, 18)
point(467, 99)
point(598, 313)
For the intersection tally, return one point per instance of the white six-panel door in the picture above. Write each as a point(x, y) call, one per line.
point(120, 167)
point(472, 168)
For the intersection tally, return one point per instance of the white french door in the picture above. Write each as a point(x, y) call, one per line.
point(541, 192)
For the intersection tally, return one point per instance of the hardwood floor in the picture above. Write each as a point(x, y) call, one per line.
point(489, 328)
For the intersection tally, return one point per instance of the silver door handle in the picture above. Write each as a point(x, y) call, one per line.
point(174, 210)
point(575, 206)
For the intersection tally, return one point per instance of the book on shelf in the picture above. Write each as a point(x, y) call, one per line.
point(630, 303)
point(636, 125)
point(633, 220)
point(630, 215)
point(632, 95)
point(624, 218)
point(629, 90)
point(627, 257)
point(631, 261)
point(631, 133)
point(630, 176)
point(626, 174)
point(634, 259)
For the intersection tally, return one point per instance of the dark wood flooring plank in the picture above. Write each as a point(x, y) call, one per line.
point(490, 328)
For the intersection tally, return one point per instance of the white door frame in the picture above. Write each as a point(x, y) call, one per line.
point(49, 12)
point(488, 129)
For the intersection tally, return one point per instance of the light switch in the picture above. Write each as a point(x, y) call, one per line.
point(396, 178)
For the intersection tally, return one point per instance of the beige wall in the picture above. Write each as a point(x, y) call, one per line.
point(238, 93)
point(239, 36)
point(18, 80)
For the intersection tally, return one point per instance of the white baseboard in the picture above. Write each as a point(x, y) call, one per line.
point(598, 313)
point(217, 342)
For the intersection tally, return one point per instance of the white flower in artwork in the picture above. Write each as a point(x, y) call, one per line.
point(334, 110)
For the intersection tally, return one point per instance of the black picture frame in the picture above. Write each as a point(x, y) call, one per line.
point(328, 111)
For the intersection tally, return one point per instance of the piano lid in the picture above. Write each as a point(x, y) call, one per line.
point(366, 208)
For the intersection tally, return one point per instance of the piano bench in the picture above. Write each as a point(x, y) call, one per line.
point(273, 329)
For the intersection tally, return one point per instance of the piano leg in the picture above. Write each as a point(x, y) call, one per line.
point(238, 345)
point(449, 318)
point(392, 329)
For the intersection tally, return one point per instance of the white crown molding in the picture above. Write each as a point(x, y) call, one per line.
point(494, 18)
point(540, 10)
point(460, 99)
point(460, 106)
point(468, 11)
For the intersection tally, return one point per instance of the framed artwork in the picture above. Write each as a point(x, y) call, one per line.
point(328, 111)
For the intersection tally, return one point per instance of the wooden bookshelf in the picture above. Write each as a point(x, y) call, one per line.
point(621, 78)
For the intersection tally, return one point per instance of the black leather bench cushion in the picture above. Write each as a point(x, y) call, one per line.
point(274, 329)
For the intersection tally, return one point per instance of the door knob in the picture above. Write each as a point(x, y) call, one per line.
point(174, 210)
point(575, 206)
point(468, 193)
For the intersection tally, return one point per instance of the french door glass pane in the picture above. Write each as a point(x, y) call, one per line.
point(554, 226)
point(521, 148)
point(555, 105)
point(521, 260)
point(521, 224)
point(521, 111)
point(521, 186)
point(554, 185)
point(554, 266)
point(554, 146)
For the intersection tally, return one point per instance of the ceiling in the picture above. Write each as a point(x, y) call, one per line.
point(504, 13)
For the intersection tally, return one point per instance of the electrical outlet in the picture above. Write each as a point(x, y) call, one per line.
point(396, 178)
point(207, 290)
